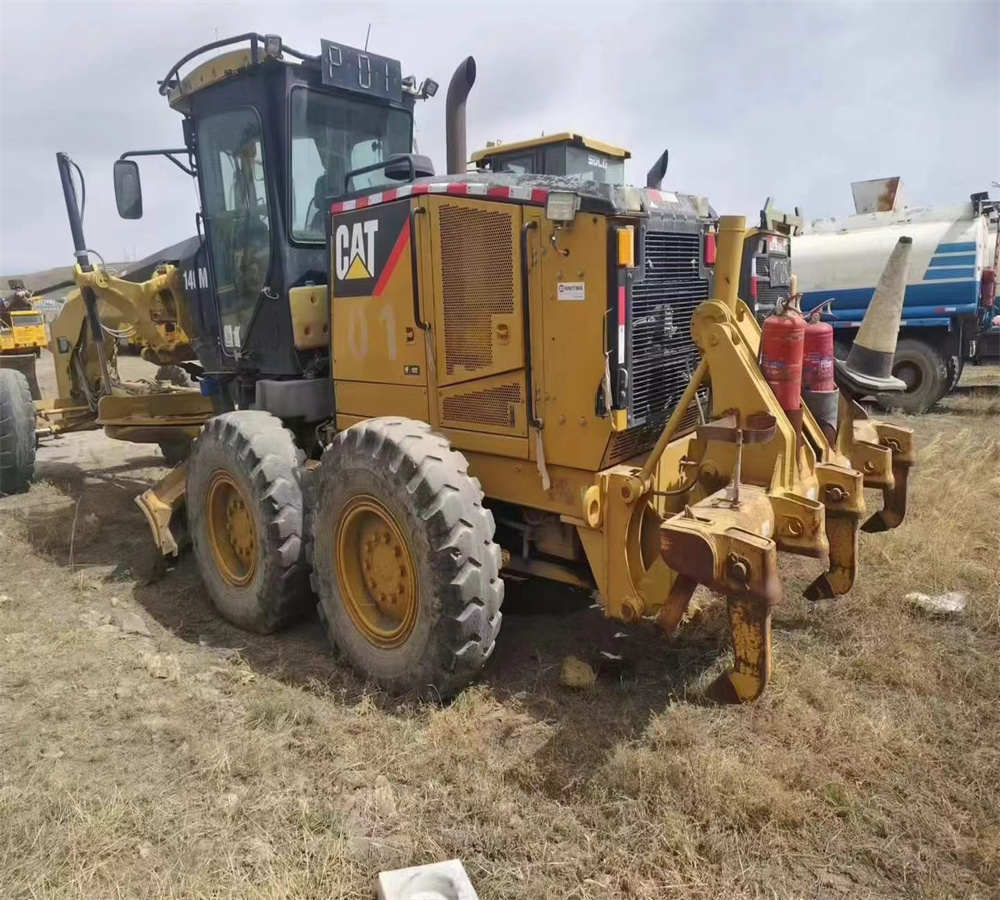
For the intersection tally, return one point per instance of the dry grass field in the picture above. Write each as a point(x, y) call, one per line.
point(149, 750)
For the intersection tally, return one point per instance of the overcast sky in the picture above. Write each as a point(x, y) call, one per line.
point(793, 100)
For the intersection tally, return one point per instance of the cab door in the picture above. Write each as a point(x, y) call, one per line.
point(231, 168)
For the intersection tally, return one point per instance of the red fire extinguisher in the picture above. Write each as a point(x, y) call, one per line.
point(817, 347)
point(988, 289)
point(781, 349)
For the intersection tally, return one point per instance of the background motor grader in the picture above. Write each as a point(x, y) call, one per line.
point(440, 378)
point(22, 333)
point(765, 266)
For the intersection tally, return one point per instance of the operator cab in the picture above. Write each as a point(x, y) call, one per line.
point(272, 135)
point(567, 154)
point(766, 267)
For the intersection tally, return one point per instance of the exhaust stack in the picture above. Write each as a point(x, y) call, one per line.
point(868, 368)
point(654, 177)
point(458, 91)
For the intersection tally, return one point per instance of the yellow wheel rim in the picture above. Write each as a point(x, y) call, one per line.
point(232, 534)
point(376, 573)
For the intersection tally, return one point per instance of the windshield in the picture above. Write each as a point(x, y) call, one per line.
point(26, 318)
point(589, 165)
point(331, 136)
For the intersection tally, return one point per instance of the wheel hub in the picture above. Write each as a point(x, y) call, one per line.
point(232, 533)
point(376, 572)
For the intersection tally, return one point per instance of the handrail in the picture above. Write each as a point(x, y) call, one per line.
point(526, 324)
point(168, 84)
point(417, 210)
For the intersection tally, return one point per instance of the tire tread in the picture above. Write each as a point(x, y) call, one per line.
point(460, 530)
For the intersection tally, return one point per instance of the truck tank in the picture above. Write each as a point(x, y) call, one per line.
point(841, 259)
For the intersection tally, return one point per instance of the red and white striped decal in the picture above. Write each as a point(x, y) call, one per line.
point(661, 198)
point(523, 194)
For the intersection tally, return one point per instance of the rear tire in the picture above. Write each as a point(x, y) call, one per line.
point(245, 515)
point(17, 433)
point(925, 372)
point(403, 558)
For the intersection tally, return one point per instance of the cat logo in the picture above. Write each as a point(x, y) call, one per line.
point(354, 249)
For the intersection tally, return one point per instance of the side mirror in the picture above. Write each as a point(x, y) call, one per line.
point(128, 190)
point(654, 177)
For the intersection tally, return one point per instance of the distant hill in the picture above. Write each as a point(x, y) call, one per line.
point(35, 281)
point(51, 303)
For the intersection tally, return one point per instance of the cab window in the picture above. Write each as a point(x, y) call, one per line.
point(332, 136)
point(589, 165)
point(515, 164)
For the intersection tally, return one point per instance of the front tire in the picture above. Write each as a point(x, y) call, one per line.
point(403, 558)
point(245, 516)
point(17, 433)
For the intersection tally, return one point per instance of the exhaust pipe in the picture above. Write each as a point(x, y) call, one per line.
point(454, 115)
point(654, 177)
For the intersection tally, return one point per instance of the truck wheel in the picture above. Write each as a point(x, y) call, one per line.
point(175, 375)
point(17, 433)
point(245, 519)
point(404, 563)
point(925, 374)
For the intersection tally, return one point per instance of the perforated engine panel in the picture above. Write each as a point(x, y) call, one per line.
point(478, 280)
point(488, 406)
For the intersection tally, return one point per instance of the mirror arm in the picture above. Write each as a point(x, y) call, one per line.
point(185, 169)
point(169, 154)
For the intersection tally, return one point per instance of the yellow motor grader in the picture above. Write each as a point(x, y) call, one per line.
point(420, 383)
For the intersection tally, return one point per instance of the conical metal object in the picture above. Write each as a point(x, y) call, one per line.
point(868, 367)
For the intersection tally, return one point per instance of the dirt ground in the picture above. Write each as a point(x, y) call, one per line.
point(150, 750)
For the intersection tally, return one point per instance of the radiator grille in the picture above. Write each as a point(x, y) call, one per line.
point(488, 406)
point(766, 298)
point(625, 445)
point(477, 274)
point(663, 355)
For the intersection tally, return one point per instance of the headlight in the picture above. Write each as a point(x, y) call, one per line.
point(561, 206)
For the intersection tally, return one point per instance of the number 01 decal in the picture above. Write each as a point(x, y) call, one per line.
point(388, 316)
point(357, 331)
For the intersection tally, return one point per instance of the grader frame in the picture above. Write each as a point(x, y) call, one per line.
point(756, 486)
